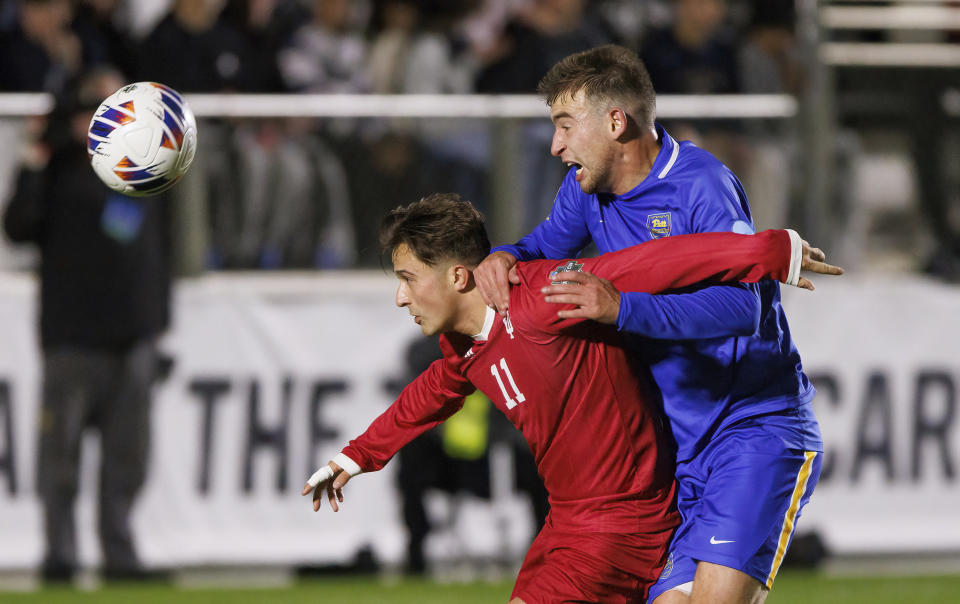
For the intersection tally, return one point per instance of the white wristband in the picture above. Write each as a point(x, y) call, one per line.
point(349, 466)
point(796, 258)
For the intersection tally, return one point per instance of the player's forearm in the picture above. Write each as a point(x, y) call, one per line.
point(718, 311)
point(431, 398)
point(684, 260)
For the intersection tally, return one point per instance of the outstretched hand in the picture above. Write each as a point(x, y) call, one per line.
point(330, 480)
point(594, 297)
point(493, 277)
point(814, 260)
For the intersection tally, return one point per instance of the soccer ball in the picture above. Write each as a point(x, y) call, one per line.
point(142, 139)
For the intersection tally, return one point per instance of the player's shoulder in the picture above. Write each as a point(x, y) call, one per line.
point(694, 163)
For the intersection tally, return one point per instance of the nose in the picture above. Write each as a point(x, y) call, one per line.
point(401, 298)
point(557, 146)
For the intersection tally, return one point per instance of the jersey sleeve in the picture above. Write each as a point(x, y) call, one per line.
point(684, 260)
point(563, 234)
point(674, 263)
point(431, 398)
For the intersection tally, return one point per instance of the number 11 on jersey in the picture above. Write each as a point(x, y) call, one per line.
point(511, 403)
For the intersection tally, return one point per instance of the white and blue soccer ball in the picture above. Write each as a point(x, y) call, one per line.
point(142, 139)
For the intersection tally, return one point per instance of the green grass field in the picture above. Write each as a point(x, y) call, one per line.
point(792, 587)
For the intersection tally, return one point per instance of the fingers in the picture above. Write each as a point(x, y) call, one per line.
point(513, 276)
point(332, 497)
point(821, 267)
point(805, 283)
point(493, 277)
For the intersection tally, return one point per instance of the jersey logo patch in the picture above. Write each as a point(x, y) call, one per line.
point(659, 224)
point(571, 265)
point(667, 568)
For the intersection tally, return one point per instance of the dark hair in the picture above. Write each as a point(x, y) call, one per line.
point(442, 226)
point(610, 73)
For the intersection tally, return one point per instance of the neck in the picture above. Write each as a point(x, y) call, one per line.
point(636, 159)
point(472, 313)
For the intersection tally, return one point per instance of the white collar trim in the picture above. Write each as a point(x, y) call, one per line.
point(487, 325)
point(673, 156)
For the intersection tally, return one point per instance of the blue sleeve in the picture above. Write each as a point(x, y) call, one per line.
point(563, 234)
point(718, 203)
point(712, 312)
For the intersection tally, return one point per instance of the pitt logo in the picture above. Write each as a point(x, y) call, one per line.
point(658, 224)
point(572, 265)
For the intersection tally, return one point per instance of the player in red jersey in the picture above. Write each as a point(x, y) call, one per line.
point(565, 382)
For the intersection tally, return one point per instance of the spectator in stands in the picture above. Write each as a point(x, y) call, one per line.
point(696, 55)
point(104, 299)
point(266, 26)
point(191, 51)
point(769, 61)
point(40, 53)
point(327, 54)
point(539, 35)
point(104, 32)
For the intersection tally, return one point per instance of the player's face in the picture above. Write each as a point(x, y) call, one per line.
point(426, 291)
point(580, 139)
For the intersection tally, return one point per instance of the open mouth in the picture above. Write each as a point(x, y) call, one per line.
point(578, 166)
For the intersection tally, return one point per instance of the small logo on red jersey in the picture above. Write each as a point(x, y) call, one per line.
point(571, 265)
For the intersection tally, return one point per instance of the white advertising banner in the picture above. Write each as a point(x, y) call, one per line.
point(274, 374)
point(884, 354)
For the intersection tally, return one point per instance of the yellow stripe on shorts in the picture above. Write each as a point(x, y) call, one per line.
point(790, 519)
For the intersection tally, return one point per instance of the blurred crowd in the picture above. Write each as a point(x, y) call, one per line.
point(298, 193)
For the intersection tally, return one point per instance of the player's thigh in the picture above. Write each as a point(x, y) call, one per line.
point(716, 584)
point(566, 566)
point(740, 503)
point(751, 504)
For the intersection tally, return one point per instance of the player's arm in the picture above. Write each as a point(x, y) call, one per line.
point(431, 398)
point(563, 234)
point(681, 261)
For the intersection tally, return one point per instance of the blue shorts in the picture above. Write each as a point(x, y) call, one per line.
point(740, 500)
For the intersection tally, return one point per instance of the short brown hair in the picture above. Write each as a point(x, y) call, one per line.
point(610, 73)
point(442, 226)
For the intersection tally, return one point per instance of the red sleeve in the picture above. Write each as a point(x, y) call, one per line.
point(683, 260)
point(431, 398)
point(668, 263)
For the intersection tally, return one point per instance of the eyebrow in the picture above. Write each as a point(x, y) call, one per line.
point(560, 115)
point(402, 273)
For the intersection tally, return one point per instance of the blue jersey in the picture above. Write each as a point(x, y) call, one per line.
point(708, 378)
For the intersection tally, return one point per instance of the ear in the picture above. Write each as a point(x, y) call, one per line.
point(617, 122)
point(460, 276)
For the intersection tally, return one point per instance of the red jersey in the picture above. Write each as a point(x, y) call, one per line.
point(568, 384)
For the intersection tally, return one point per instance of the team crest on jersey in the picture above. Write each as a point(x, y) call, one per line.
point(658, 224)
point(571, 265)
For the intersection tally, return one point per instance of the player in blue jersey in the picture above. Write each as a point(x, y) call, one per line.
point(739, 405)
